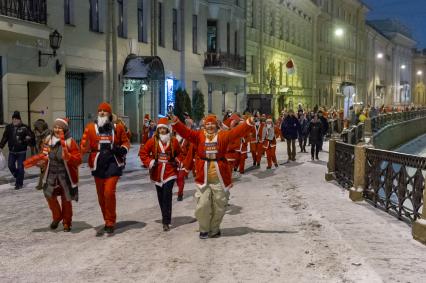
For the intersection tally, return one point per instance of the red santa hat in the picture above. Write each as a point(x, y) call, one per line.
point(269, 118)
point(146, 117)
point(163, 123)
point(210, 119)
point(61, 123)
point(104, 106)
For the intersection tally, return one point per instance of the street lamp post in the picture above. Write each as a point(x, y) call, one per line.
point(338, 32)
point(236, 98)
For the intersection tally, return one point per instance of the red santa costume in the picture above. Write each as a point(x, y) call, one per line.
point(108, 145)
point(161, 154)
point(213, 177)
point(270, 142)
point(256, 143)
point(60, 177)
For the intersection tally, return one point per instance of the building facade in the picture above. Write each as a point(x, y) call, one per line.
point(380, 79)
point(281, 50)
point(155, 47)
point(341, 59)
point(402, 59)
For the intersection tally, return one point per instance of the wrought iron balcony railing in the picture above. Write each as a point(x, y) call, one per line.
point(27, 10)
point(224, 60)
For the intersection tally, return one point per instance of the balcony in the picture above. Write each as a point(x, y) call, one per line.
point(26, 18)
point(27, 10)
point(224, 65)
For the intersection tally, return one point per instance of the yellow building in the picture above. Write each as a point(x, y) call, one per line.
point(419, 77)
point(278, 32)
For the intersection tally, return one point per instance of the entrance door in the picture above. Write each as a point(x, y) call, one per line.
point(74, 85)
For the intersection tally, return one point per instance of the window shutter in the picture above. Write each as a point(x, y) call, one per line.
point(125, 19)
point(102, 14)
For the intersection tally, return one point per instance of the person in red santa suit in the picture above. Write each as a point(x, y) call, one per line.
point(182, 172)
point(256, 143)
point(213, 177)
point(270, 142)
point(242, 152)
point(161, 154)
point(108, 145)
point(60, 159)
point(232, 154)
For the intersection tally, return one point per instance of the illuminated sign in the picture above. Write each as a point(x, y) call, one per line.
point(170, 93)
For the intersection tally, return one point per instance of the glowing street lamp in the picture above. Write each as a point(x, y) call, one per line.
point(419, 73)
point(379, 55)
point(403, 67)
point(339, 32)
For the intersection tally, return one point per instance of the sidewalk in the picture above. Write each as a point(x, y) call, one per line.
point(283, 225)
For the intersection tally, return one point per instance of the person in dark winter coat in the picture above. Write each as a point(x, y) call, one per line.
point(316, 132)
point(291, 130)
point(18, 137)
point(303, 137)
point(324, 123)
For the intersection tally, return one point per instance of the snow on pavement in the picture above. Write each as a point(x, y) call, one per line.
point(284, 225)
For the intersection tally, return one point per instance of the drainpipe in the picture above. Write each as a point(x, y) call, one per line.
point(106, 96)
point(182, 44)
point(114, 60)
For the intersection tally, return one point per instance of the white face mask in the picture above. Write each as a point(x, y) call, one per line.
point(102, 120)
point(165, 138)
point(257, 123)
point(268, 126)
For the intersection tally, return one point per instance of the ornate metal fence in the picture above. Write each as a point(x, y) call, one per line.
point(28, 10)
point(345, 156)
point(384, 120)
point(394, 182)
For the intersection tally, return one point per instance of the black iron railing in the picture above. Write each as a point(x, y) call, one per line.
point(345, 158)
point(28, 10)
point(394, 182)
point(383, 120)
point(224, 60)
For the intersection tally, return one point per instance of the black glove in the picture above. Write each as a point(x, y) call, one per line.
point(120, 151)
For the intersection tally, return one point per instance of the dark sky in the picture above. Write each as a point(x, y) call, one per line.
point(410, 12)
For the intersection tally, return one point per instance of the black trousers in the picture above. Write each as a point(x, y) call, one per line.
point(315, 148)
point(165, 194)
point(302, 142)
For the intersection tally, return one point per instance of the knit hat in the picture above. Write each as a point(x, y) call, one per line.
point(163, 123)
point(105, 107)
point(61, 123)
point(16, 115)
point(210, 119)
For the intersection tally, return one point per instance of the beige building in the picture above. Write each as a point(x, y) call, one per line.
point(341, 58)
point(279, 32)
point(419, 77)
point(160, 45)
point(402, 60)
point(380, 79)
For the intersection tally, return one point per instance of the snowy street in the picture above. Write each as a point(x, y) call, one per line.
point(283, 225)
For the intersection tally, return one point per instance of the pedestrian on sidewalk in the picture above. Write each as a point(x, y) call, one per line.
point(270, 143)
point(316, 132)
point(325, 127)
point(303, 137)
point(41, 132)
point(213, 177)
point(107, 144)
point(242, 151)
point(18, 137)
point(60, 178)
point(161, 154)
point(232, 153)
point(290, 129)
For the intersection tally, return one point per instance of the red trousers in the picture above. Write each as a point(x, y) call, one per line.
point(106, 198)
point(271, 156)
point(240, 162)
point(256, 151)
point(59, 213)
point(180, 181)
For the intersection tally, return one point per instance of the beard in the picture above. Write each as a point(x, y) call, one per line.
point(268, 126)
point(101, 121)
point(165, 138)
